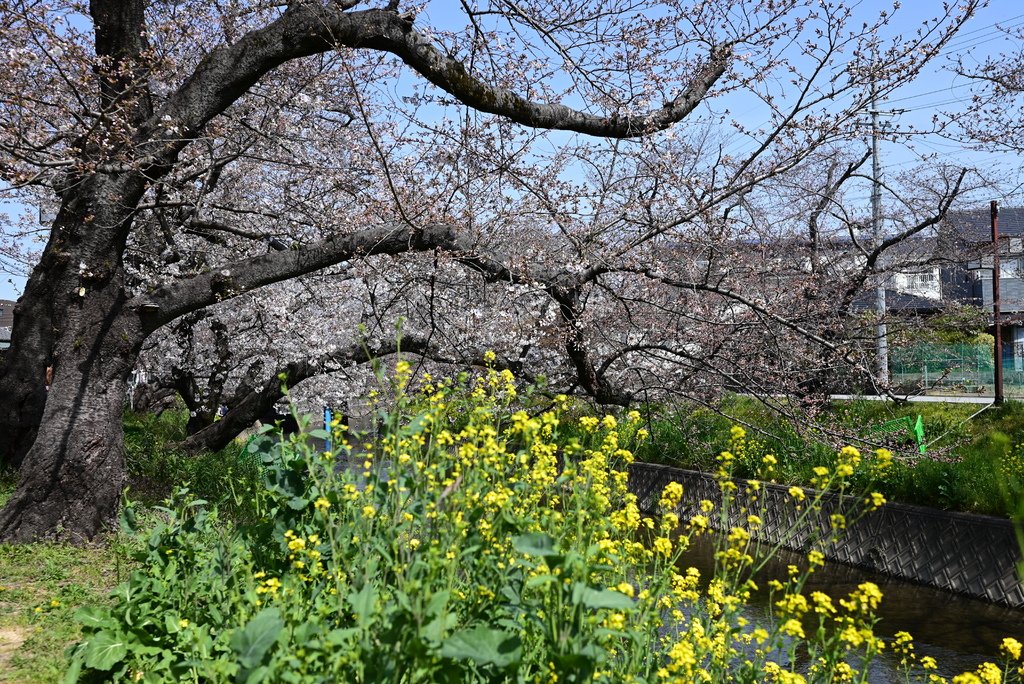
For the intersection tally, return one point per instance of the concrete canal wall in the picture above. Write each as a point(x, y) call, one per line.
point(971, 555)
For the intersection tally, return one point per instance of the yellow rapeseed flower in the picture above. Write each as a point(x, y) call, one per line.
point(1011, 647)
point(793, 628)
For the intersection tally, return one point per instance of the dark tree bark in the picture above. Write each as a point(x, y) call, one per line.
point(71, 477)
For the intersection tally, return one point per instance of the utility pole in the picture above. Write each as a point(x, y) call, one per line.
point(881, 330)
point(996, 305)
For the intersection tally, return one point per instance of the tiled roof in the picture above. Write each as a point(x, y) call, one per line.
point(976, 226)
point(898, 302)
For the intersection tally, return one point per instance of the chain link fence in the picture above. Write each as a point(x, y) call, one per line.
point(958, 368)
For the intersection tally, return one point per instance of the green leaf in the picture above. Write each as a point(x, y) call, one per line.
point(171, 624)
point(96, 618)
point(436, 628)
point(253, 641)
point(363, 603)
point(539, 580)
point(483, 645)
point(341, 637)
point(599, 598)
point(105, 650)
point(535, 544)
point(258, 676)
point(402, 599)
point(75, 666)
point(438, 602)
point(129, 522)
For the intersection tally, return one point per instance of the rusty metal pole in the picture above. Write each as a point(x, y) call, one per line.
point(996, 305)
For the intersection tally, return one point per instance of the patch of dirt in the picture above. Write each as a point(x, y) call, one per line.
point(11, 639)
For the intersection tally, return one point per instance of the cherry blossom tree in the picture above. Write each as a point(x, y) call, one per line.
point(194, 152)
point(995, 114)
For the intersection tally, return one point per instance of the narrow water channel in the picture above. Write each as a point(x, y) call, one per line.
point(960, 633)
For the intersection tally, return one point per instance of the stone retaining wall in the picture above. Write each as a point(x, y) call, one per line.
point(971, 555)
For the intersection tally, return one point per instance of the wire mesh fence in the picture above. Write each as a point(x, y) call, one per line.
point(958, 368)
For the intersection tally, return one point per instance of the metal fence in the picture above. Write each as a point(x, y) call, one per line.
point(959, 368)
point(971, 555)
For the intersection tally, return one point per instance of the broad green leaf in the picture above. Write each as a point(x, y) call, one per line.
point(363, 603)
point(257, 676)
point(75, 666)
point(253, 641)
point(129, 522)
point(438, 602)
point(535, 544)
point(171, 623)
point(483, 645)
point(341, 637)
point(539, 580)
point(436, 628)
point(96, 618)
point(599, 598)
point(105, 650)
point(402, 599)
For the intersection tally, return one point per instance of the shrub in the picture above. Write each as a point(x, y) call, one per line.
point(156, 465)
point(475, 543)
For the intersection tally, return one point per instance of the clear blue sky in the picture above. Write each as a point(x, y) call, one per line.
point(937, 89)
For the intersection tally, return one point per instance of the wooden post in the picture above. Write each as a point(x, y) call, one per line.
point(996, 305)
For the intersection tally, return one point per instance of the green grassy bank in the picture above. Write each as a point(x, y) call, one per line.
point(972, 464)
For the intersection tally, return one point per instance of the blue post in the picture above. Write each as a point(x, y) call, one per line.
point(327, 427)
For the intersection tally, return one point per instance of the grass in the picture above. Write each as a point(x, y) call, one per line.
point(966, 468)
point(41, 586)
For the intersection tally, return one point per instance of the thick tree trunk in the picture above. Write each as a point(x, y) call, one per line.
point(81, 259)
point(70, 484)
point(71, 479)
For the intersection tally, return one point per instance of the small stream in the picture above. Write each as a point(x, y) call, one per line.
point(960, 633)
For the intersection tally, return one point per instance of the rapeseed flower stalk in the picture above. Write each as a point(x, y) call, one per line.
point(484, 539)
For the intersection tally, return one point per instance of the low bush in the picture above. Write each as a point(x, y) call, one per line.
point(961, 470)
point(157, 466)
point(473, 543)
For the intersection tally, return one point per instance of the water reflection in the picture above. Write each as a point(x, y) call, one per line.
point(960, 633)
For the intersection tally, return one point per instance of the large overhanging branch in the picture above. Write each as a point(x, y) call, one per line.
point(305, 29)
point(179, 297)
